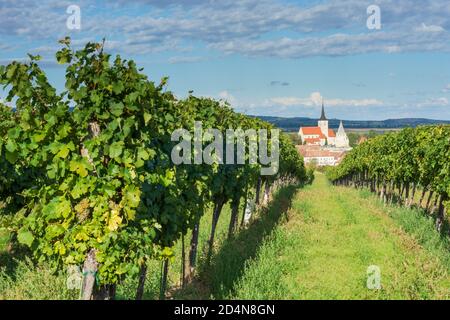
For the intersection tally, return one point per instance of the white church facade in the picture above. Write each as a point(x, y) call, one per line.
point(321, 145)
point(322, 135)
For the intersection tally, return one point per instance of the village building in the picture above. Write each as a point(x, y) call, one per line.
point(318, 156)
point(322, 135)
point(321, 146)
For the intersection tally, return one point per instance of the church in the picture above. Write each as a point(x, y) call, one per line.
point(322, 135)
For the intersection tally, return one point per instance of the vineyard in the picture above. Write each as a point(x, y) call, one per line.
point(93, 206)
point(399, 166)
point(86, 177)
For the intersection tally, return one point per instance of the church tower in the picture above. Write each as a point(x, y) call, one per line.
point(342, 140)
point(323, 123)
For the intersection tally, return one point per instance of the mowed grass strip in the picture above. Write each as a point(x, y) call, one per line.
point(333, 235)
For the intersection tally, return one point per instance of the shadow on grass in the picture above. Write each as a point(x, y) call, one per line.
point(9, 260)
point(7, 263)
point(228, 264)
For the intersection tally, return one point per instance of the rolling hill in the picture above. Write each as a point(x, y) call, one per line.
point(293, 124)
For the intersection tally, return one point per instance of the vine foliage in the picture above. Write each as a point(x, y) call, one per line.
point(87, 172)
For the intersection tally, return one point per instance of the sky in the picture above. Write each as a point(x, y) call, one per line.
point(265, 57)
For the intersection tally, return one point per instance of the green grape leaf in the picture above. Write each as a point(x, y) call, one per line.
point(11, 156)
point(11, 146)
point(115, 150)
point(117, 109)
point(25, 237)
point(79, 167)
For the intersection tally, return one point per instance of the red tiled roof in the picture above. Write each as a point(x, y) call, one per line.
point(321, 153)
point(304, 147)
point(309, 131)
point(318, 154)
point(331, 133)
point(314, 151)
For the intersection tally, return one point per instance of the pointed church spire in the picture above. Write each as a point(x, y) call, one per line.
point(323, 117)
point(341, 130)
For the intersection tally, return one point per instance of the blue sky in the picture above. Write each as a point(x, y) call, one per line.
point(266, 57)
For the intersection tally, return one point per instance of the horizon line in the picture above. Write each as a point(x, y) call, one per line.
point(413, 118)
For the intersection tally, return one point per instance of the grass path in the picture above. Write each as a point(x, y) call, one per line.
point(333, 235)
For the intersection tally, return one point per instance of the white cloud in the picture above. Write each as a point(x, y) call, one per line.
point(392, 49)
point(430, 28)
point(36, 20)
point(315, 99)
point(5, 47)
point(240, 26)
point(434, 102)
point(291, 101)
point(446, 89)
point(228, 97)
point(339, 44)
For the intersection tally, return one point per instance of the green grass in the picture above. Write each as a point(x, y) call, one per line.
point(333, 236)
point(217, 279)
point(21, 279)
point(310, 243)
point(422, 227)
